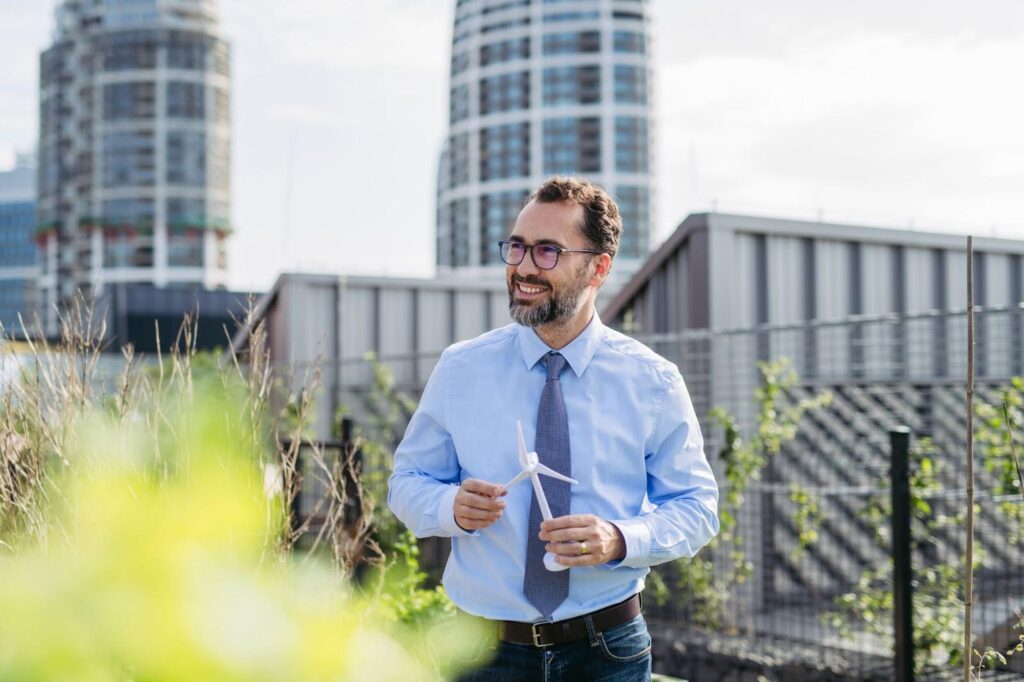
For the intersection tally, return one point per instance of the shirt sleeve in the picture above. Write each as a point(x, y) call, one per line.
point(680, 485)
point(422, 487)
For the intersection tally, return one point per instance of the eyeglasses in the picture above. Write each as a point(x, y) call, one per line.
point(545, 256)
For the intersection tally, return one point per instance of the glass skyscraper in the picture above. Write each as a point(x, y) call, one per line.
point(134, 147)
point(541, 88)
point(18, 269)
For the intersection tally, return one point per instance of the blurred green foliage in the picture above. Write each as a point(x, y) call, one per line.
point(161, 563)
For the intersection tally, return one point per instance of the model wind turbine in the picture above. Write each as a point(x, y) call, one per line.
point(532, 468)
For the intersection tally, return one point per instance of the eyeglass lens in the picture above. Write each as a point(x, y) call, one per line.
point(545, 256)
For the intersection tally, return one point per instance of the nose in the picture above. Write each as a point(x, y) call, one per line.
point(527, 266)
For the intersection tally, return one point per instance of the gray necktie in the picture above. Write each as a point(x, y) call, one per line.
point(547, 589)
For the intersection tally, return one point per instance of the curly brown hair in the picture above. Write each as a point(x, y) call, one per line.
point(602, 224)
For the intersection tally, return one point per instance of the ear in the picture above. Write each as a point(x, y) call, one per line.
point(602, 264)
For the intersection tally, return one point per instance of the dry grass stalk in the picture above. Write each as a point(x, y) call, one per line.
point(57, 384)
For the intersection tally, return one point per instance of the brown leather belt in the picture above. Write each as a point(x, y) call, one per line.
point(549, 634)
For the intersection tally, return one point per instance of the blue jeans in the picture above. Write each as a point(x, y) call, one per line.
point(619, 654)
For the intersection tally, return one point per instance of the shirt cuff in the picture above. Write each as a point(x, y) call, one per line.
point(446, 514)
point(637, 535)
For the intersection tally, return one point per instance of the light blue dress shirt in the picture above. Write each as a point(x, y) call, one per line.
point(637, 452)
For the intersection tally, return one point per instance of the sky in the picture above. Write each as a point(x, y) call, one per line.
point(893, 114)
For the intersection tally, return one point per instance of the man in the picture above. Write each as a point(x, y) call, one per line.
point(596, 406)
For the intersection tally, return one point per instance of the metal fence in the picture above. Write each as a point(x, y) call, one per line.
point(814, 528)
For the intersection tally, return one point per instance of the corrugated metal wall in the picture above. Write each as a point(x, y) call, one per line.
point(336, 321)
point(770, 271)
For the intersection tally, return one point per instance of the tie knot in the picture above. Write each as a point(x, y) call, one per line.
point(555, 363)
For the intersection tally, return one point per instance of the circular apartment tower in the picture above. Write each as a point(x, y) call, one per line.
point(134, 148)
point(542, 88)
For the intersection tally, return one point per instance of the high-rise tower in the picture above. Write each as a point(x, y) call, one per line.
point(134, 145)
point(538, 88)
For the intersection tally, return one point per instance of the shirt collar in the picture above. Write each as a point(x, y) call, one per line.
point(578, 353)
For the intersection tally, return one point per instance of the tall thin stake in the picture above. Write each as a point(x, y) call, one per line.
point(969, 587)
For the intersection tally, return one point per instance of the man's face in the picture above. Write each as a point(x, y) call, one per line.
point(540, 297)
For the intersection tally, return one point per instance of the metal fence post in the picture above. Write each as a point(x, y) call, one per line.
point(899, 439)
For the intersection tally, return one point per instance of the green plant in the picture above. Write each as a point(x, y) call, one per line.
point(144, 515)
point(742, 459)
point(407, 595)
point(997, 422)
point(806, 521)
point(937, 599)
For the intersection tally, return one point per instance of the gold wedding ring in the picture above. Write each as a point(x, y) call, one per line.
point(583, 548)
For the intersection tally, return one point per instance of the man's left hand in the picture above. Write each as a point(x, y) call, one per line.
point(583, 540)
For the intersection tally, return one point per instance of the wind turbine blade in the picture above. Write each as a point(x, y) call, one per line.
point(518, 478)
point(522, 444)
point(542, 500)
point(548, 471)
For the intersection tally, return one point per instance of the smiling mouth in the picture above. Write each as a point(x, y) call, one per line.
point(529, 289)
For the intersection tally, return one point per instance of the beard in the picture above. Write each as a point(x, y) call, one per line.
point(560, 305)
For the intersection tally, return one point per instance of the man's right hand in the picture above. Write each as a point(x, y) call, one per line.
point(477, 505)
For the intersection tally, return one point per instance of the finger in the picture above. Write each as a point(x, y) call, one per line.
point(478, 514)
point(472, 524)
point(484, 488)
point(563, 548)
point(577, 560)
point(479, 501)
point(569, 535)
point(573, 521)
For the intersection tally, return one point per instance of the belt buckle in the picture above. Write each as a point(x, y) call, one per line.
point(536, 636)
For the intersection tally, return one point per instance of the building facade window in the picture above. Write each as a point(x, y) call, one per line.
point(185, 250)
point(129, 159)
point(575, 42)
point(501, 7)
point(186, 158)
point(17, 225)
point(458, 106)
point(505, 151)
point(460, 62)
point(126, 50)
point(505, 92)
point(631, 144)
point(124, 250)
point(498, 213)
point(186, 100)
point(458, 166)
point(129, 101)
point(623, 14)
point(572, 85)
point(630, 84)
point(505, 25)
point(635, 208)
point(572, 145)
point(137, 213)
point(186, 213)
point(629, 42)
point(556, 17)
point(15, 295)
point(505, 51)
point(460, 232)
point(187, 51)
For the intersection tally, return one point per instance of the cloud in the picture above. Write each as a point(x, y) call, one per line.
point(882, 123)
